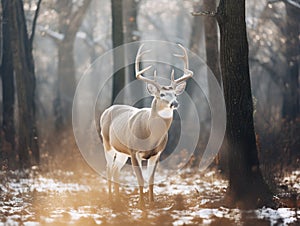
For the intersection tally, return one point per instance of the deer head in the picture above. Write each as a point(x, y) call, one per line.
point(165, 97)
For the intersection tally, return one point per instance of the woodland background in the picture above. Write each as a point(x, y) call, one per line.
point(46, 46)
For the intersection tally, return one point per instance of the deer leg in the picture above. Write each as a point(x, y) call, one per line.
point(151, 166)
point(108, 152)
point(138, 172)
point(109, 176)
point(118, 162)
point(109, 165)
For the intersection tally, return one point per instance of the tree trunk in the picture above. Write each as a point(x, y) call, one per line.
point(246, 189)
point(25, 82)
point(290, 108)
point(66, 82)
point(213, 62)
point(211, 40)
point(8, 93)
point(131, 29)
point(131, 9)
point(118, 40)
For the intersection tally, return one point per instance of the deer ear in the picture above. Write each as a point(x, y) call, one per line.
point(152, 89)
point(180, 88)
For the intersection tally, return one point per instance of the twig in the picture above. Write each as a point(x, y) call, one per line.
point(35, 21)
point(204, 13)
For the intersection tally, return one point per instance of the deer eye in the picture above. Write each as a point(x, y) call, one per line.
point(162, 95)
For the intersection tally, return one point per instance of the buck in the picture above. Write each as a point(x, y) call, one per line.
point(141, 134)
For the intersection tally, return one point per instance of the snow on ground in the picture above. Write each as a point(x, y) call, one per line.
point(68, 198)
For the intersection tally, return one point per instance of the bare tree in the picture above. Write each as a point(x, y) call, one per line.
point(23, 63)
point(290, 108)
point(118, 40)
point(213, 62)
point(211, 40)
point(288, 32)
point(131, 33)
point(70, 22)
point(247, 188)
point(8, 92)
point(211, 50)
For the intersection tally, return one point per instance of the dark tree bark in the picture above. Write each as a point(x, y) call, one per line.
point(25, 82)
point(118, 40)
point(247, 188)
point(38, 6)
point(291, 93)
point(1, 35)
point(8, 93)
point(131, 8)
point(66, 82)
point(211, 40)
point(213, 62)
point(208, 9)
point(131, 34)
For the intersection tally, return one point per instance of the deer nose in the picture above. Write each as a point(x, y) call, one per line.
point(174, 104)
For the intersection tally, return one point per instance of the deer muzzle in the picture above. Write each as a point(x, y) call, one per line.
point(174, 105)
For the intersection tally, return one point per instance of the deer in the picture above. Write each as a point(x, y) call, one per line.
point(141, 133)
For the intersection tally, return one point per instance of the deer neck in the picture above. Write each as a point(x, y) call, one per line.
point(165, 115)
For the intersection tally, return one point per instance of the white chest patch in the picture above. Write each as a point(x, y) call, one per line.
point(166, 113)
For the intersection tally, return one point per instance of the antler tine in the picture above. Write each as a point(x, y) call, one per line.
point(184, 57)
point(187, 73)
point(138, 72)
point(172, 76)
point(155, 75)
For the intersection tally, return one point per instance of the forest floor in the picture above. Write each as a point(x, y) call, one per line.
point(79, 197)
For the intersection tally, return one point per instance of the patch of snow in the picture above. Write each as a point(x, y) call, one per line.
point(184, 220)
point(41, 184)
point(293, 179)
point(285, 215)
point(210, 174)
point(31, 223)
point(45, 184)
point(47, 220)
point(207, 221)
point(10, 222)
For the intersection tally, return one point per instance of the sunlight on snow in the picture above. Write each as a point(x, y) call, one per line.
point(181, 199)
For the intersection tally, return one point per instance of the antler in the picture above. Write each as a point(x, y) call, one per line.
point(138, 72)
point(187, 73)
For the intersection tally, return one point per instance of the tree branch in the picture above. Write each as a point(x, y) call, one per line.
point(76, 18)
point(56, 36)
point(34, 22)
point(204, 13)
point(294, 3)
